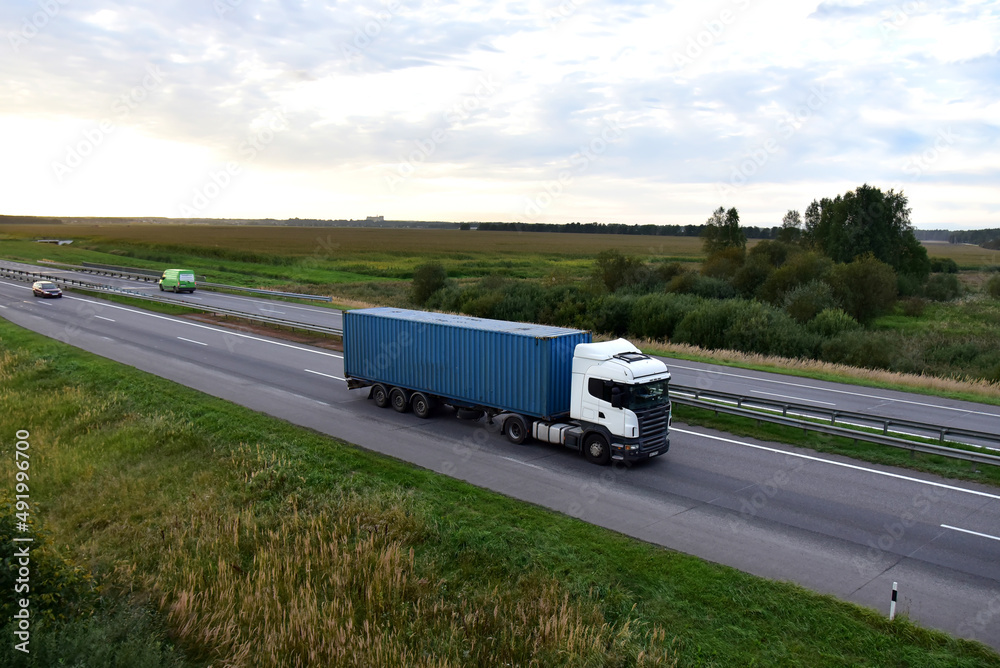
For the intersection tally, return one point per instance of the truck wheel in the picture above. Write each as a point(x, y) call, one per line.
point(422, 405)
point(381, 396)
point(516, 429)
point(596, 450)
point(397, 398)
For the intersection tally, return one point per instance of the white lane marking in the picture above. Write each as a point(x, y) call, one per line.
point(103, 318)
point(841, 464)
point(785, 396)
point(324, 374)
point(3, 307)
point(227, 332)
point(270, 310)
point(190, 297)
point(830, 389)
point(974, 533)
point(192, 341)
point(518, 461)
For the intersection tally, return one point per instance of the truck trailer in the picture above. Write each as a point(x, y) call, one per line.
point(607, 400)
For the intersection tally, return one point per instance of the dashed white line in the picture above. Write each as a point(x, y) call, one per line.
point(789, 453)
point(518, 461)
point(103, 318)
point(324, 374)
point(974, 533)
point(192, 341)
point(227, 332)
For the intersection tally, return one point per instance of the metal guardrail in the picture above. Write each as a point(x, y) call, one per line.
point(135, 274)
point(272, 293)
point(29, 276)
point(127, 270)
point(768, 411)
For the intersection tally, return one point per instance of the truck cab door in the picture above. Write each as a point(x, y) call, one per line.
point(599, 406)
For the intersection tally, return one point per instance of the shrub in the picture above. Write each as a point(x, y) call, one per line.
point(908, 285)
point(724, 263)
point(751, 276)
point(870, 350)
point(712, 288)
point(666, 272)
point(748, 326)
point(943, 287)
point(944, 265)
point(913, 307)
point(427, 279)
point(612, 313)
point(865, 288)
point(831, 322)
point(806, 301)
point(992, 287)
point(656, 316)
point(798, 270)
point(772, 253)
point(614, 269)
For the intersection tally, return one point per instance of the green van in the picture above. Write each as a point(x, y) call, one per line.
point(178, 280)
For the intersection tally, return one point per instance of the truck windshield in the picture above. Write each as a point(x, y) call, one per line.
point(647, 395)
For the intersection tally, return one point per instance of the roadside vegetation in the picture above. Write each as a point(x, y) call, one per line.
point(182, 530)
point(845, 285)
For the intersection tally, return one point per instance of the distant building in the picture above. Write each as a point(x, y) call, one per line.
point(375, 219)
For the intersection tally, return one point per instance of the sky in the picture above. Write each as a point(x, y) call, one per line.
point(535, 111)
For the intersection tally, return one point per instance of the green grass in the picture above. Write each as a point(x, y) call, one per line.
point(257, 541)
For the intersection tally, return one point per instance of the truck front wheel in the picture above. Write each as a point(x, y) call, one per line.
point(422, 405)
point(397, 398)
point(596, 450)
point(380, 395)
point(516, 429)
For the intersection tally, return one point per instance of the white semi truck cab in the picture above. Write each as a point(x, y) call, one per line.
point(620, 405)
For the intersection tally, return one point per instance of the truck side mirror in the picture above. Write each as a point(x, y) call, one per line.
point(616, 397)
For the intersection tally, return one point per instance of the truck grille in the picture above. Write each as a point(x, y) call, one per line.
point(653, 427)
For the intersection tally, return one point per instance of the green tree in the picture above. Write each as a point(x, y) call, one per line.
point(791, 227)
point(722, 231)
point(866, 220)
point(865, 288)
point(427, 279)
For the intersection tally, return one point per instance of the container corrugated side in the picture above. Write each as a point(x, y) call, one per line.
point(511, 366)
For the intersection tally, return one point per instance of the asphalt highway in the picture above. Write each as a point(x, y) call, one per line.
point(303, 313)
point(829, 523)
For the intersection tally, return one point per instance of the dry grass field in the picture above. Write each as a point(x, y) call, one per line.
point(305, 241)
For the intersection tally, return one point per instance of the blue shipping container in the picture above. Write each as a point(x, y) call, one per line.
point(511, 366)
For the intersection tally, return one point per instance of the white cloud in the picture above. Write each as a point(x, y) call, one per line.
point(819, 98)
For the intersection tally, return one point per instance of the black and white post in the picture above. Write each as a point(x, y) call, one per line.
point(892, 605)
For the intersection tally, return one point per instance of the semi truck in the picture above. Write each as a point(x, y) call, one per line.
point(607, 400)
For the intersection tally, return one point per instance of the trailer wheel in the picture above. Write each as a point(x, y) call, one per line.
point(380, 395)
point(516, 429)
point(397, 397)
point(596, 450)
point(422, 405)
